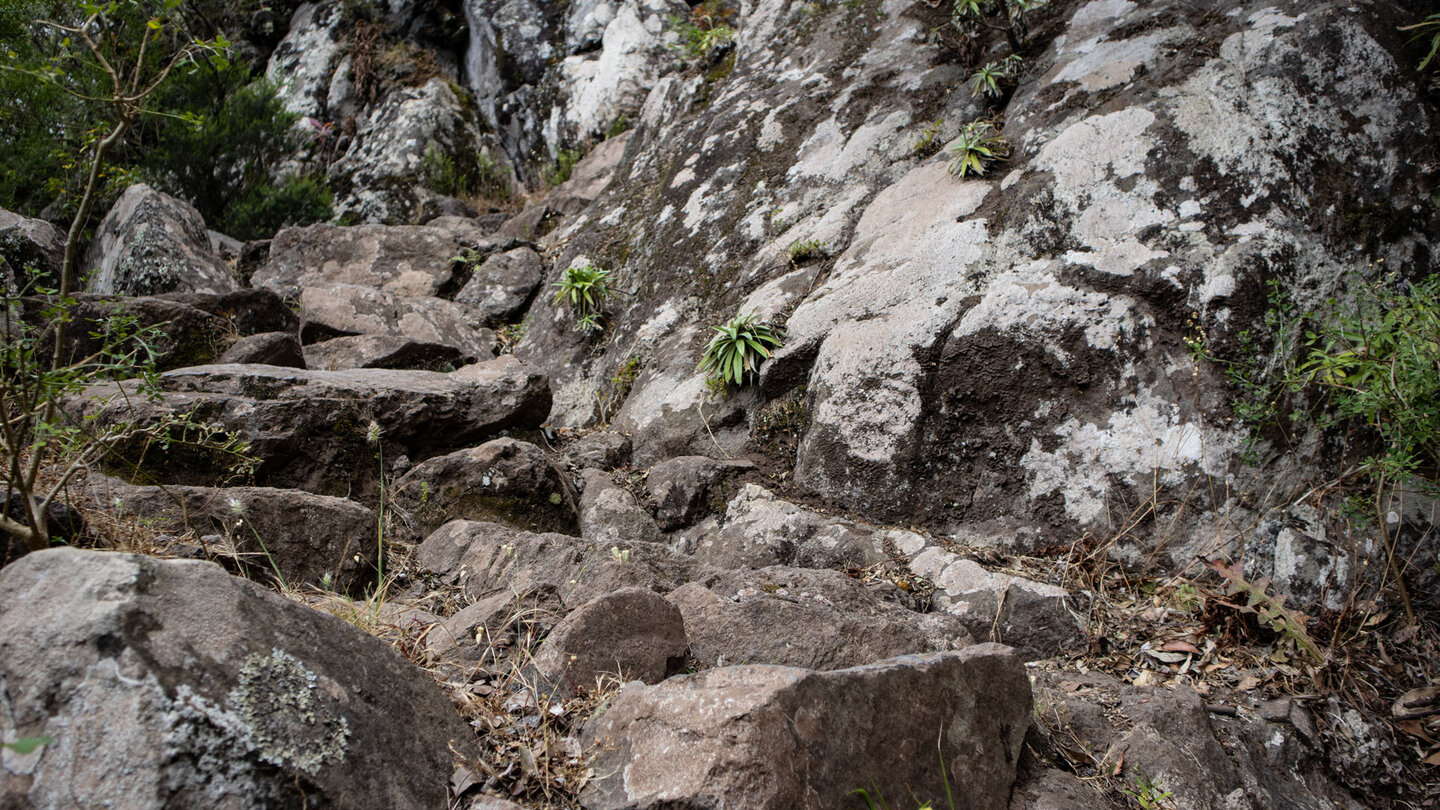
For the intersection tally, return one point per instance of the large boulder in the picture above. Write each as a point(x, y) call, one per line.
point(284, 535)
point(805, 618)
point(403, 259)
point(152, 243)
point(32, 243)
point(759, 529)
point(687, 488)
point(173, 684)
point(310, 429)
point(267, 348)
point(381, 351)
point(502, 481)
point(350, 309)
point(789, 738)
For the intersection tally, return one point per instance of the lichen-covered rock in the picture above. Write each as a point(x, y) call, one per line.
point(1037, 619)
point(782, 737)
point(631, 634)
point(349, 309)
point(31, 243)
point(284, 535)
point(407, 260)
point(305, 60)
point(599, 86)
point(152, 243)
point(502, 286)
point(502, 481)
point(760, 529)
point(805, 618)
point(173, 684)
point(310, 429)
point(381, 177)
point(1003, 357)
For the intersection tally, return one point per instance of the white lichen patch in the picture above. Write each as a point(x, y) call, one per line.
point(285, 720)
point(1147, 439)
point(1030, 301)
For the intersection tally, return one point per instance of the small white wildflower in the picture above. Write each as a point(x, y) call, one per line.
point(372, 433)
point(236, 507)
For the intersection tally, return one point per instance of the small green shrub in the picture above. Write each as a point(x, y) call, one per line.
point(737, 350)
point(988, 78)
point(978, 145)
point(564, 165)
point(470, 173)
point(799, 251)
point(262, 209)
point(926, 145)
point(1148, 794)
point(703, 31)
point(583, 289)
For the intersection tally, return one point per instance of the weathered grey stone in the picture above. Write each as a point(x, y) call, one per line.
point(381, 176)
point(405, 260)
point(760, 529)
point(309, 428)
point(152, 243)
point(805, 618)
point(265, 533)
point(1038, 620)
point(633, 634)
point(184, 336)
point(501, 286)
point(34, 243)
point(249, 311)
point(487, 630)
point(782, 737)
point(601, 450)
point(171, 683)
point(487, 558)
point(689, 487)
point(268, 348)
point(610, 515)
point(381, 351)
point(502, 481)
point(348, 309)
point(303, 63)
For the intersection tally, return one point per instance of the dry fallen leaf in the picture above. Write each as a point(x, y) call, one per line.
point(1180, 646)
point(1247, 683)
point(1417, 703)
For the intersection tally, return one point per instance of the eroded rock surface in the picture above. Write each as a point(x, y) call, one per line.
point(783, 737)
point(152, 243)
point(172, 683)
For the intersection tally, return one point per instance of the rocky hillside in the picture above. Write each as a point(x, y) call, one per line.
point(1029, 490)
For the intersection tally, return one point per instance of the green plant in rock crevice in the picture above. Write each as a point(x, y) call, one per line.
point(978, 145)
point(583, 289)
point(737, 350)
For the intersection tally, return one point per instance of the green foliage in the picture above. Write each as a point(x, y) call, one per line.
point(582, 288)
point(799, 251)
point(1373, 362)
point(1429, 27)
point(703, 31)
point(1379, 361)
point(926, 145)
point(988, 78)
point(40, 445)
point(564, 165)
point(470, 173)
point(737, 350)
point(27, 745)
point(1010, 17)
point(1148, 794)
point(978, 144)
point(261, 209)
